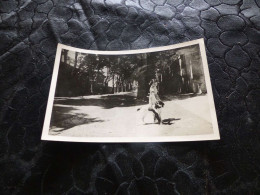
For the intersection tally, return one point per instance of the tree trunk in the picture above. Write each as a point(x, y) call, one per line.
point(76, 60)
point(113, 83)
point(142, 88)
point(91, 87)
point(142, 81)
point(65, 56)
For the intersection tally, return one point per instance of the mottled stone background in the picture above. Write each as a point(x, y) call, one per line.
point(29, 33)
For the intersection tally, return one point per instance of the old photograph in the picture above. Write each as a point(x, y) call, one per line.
point(150, 95)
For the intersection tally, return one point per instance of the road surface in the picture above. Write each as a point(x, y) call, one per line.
point(117, 116)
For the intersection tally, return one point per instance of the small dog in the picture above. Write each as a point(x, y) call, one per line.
point(157, 111)
point(159, 104)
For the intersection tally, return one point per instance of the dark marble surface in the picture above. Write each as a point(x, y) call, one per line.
point(29, 32)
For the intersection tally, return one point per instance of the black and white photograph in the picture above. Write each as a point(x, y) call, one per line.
point(148, 95)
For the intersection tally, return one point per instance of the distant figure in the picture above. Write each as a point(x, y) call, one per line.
point(155, 103)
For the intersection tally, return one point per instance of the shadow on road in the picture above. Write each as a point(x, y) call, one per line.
point(63, 118)
point(116, 100)
point(180, 96)
point(105, 102)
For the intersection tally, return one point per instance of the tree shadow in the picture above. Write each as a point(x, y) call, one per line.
point(63, 118)
point(180, 96)
point(105, 102)
point(116, 100)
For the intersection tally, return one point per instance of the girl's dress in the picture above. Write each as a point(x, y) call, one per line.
point(152, 97)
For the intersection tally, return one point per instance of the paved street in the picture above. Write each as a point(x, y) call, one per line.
point(117, 115)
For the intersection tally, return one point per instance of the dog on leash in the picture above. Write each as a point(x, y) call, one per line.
point(156, 111)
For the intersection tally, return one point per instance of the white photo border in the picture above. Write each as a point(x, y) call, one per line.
point(214, 136)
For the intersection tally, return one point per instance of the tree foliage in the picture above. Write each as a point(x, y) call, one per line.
point(121, 70)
